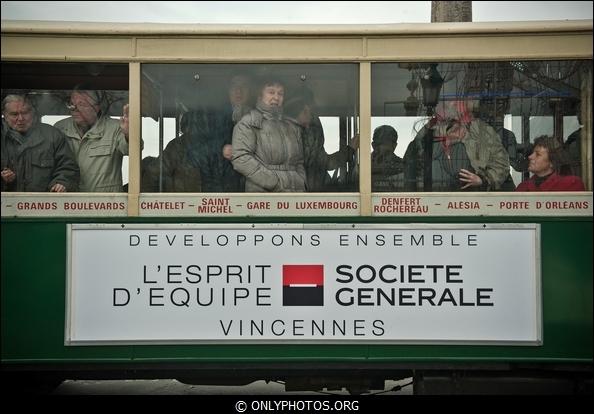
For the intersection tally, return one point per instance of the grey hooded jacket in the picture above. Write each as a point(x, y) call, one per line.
point(268, 151)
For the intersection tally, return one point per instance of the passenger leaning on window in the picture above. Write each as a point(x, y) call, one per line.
point(544, 163)
point(97, 141)
point(267, 148)
point(456, 152)
point(35, 156)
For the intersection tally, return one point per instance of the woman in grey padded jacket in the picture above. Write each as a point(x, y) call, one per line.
point(267, 148)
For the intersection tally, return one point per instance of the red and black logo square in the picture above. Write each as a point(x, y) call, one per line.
point(303, 285)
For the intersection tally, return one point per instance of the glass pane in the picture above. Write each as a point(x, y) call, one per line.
point(249, 127)
point(61, 129)
point(471, 126)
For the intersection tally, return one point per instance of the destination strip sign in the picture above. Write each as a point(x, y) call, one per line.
point(298, 204)
point(483, 204)
point(64, 205)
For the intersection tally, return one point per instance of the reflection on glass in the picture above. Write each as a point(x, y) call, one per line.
point(480, 134)
point(83, 106)
point(320, 102)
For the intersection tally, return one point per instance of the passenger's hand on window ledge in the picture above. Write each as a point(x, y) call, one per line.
point(58, 188)
point(471, 179)
point(8, 175)
point(228, 152)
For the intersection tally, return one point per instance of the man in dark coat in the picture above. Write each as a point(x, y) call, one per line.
point(35, 156)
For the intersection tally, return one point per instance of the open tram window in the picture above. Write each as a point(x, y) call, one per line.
point(88, 117)
point(431, 121)
point(190, 112)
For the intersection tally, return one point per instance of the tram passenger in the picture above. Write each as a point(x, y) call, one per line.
point(387, 169)
point(149, 175)
point(97, 140)
point(35, 156)
point(240, 104)
point(193, 162)
point(218, 174)
point(316, 160)
point(517, 158)
point(267, 147)
point(186, 156)
point(455, 151)
point(544, 163)
point(240, 96)
point(573, 148)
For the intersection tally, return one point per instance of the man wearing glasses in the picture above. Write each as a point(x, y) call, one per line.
point(97, 141)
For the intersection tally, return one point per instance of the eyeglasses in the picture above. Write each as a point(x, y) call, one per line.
point(79, 106)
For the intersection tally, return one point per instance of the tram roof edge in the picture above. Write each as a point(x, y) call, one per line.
point(104, 28)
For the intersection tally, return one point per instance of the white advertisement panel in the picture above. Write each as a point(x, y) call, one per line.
point(190, 283)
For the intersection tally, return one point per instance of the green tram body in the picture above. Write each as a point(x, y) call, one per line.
point(33, 315)
point(34, 259)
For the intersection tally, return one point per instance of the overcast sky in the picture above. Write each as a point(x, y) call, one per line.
point(285, 12)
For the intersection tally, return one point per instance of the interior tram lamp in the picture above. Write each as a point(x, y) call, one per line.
point(411, 105)
point(431, 83)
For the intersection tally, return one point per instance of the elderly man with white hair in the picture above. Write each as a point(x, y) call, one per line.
point(98, 141)
point(35, 156)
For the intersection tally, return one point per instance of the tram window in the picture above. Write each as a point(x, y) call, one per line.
point(103, 90)
point(189, 112)
point(440, 110)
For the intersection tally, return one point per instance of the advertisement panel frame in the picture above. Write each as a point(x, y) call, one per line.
point(70, 334)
